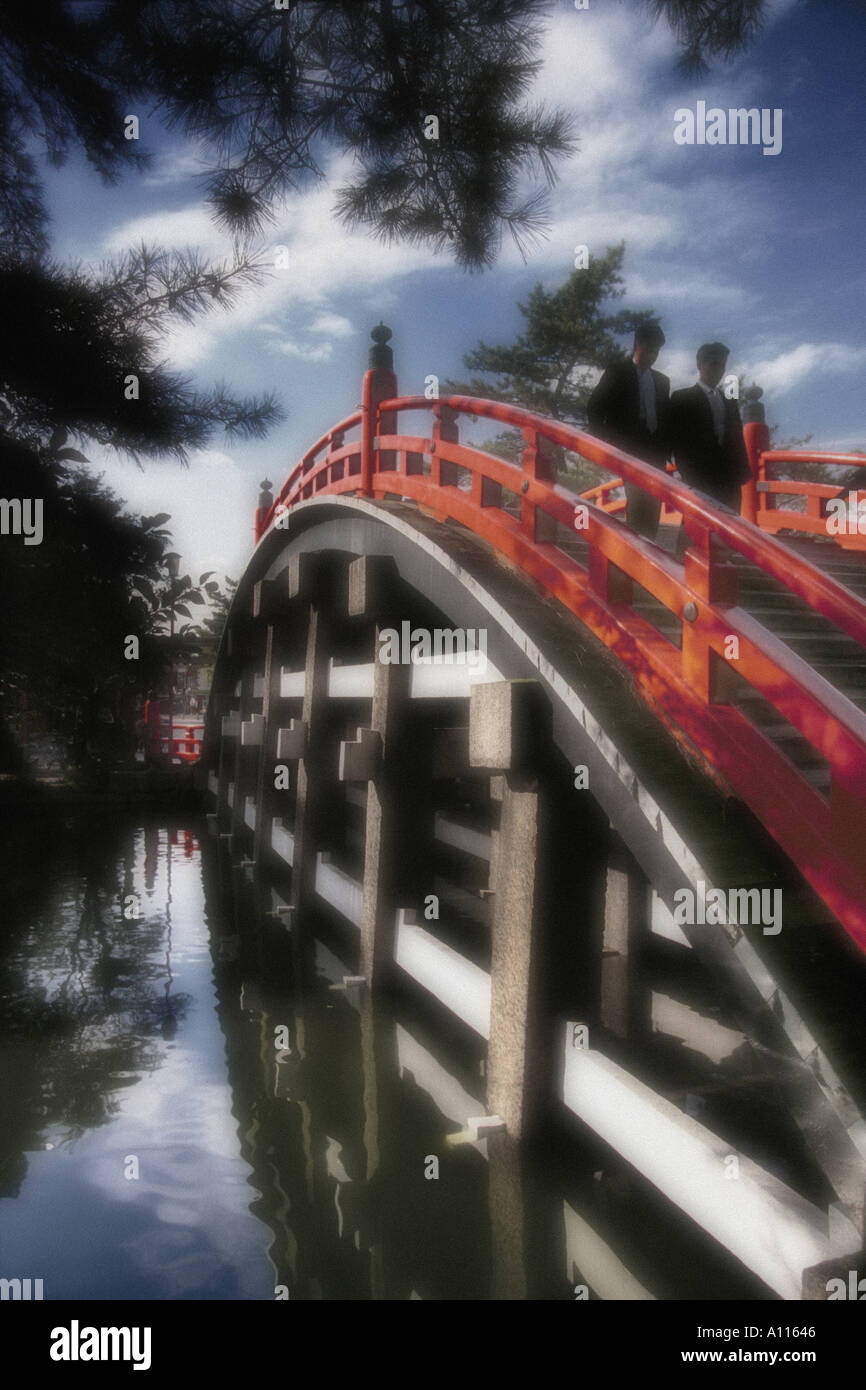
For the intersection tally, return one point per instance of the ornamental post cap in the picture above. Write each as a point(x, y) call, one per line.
point(753, 410)
point(380, 354)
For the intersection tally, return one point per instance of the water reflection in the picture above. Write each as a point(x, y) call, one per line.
point(342, 1101)
point(117, 1139)
point(190, 1109)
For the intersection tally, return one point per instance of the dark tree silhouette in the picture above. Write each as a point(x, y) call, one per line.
point(710, 28)
point(71, 602)
point(82, 351)
point(270, 88)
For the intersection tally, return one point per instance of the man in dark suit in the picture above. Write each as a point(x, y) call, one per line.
point(706, 433)
point(628, 409)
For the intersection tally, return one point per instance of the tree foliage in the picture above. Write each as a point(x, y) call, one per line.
point(60, 89)
point(71, 603)
point(271, 88)
point(569, 335)
point(210, 629)
point(710, 28)
point(82, 351)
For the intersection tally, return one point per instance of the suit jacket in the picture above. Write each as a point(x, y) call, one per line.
point(613, 413)
point(714, 468)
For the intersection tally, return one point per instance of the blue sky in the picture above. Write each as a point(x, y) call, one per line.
point(763, 252)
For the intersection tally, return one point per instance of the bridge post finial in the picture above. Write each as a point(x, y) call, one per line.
point(266, 501)
point(753, 408)
point(380, 354)
point(380, 384)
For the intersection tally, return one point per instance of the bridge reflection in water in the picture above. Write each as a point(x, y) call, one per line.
point(263, 1167)
point(341, 1123)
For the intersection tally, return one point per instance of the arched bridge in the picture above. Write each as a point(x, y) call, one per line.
point(600, 806)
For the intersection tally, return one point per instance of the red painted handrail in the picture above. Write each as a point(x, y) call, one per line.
point(188, 747)
point(765, 489)
point(333, 439)
point(601, 496)
point(684, 685)
point(813, 518)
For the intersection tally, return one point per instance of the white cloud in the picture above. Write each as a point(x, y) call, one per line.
point(609, 70)
point(321, 352)
point(599, 68)
point(678, 364)
point(847, 443)
point(598, 229)
point(174, 166)
point(778, 9)
point(616, 73)
point(590, 57)
point(325, 262)
point(689, 288)
point(189, 343)
point(335, 325)
point(782, 372)
point(211, 503)
point(192, 226)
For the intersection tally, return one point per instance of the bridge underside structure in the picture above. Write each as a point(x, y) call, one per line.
point(511, 838)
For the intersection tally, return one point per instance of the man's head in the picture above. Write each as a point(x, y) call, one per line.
point(648, 342)
point(712, 358)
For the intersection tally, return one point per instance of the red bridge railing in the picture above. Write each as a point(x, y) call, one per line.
point(186, 742)
point(770, 501)
point(524, 514)
point(773, 512)
point(183, 741)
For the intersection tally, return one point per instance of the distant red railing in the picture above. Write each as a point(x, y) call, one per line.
point(814, 518)
point(517, 509)
point(186, 736)
point(188, 744)
point(603, 496)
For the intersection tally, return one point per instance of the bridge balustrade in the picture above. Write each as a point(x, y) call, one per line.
point(772, 514)
point(186, 742)
point(533, 521)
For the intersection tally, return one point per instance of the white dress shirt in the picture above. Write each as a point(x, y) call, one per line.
point(647, 390)
point(717, 406)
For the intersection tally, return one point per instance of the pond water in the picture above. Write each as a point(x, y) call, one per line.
point(121, 1171)
point(187, 1114)
point(144, 1152)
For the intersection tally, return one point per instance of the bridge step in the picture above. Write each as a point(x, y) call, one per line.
point(804, 639)
point(787, 738)
point(850, 681)
point(831, 644)
point(661, 618)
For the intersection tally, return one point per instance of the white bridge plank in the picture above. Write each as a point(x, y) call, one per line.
point(770, 1228)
